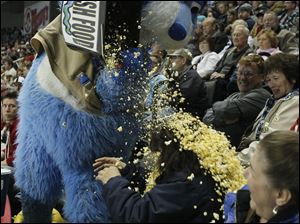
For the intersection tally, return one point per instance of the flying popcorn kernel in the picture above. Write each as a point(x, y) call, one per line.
point(191, 177)
point(168, 142)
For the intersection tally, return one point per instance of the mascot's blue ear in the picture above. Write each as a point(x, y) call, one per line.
point(178, 31)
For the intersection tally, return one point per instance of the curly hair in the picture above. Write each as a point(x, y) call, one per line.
point(285, 63)
point(253, 59)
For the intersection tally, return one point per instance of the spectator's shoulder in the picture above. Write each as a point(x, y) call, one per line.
point(260, 91)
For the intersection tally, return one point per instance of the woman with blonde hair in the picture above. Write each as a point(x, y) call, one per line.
point(267, 43)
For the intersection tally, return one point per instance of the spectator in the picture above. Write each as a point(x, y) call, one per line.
point(193, 44)
point(276, 6)
point(231, 17)
point(239, 4)
point(240, 109)
point(157, 80)
point(206, 62)
point(186, 86)
point(289, 19)
point(258, 7)
point(231, 4)
point(244, 13)
point(282, 109)
point(227, 65)
point(211, 13)
point(287, 41)
point(210, 29)
point(9, 69)
point(231, 27)
point(9, 125)
point(267, 44)
point(177, 195)
point(222, 8)
point(272, 194)
point(259, 24)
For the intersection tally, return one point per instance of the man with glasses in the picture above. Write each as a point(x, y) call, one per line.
point(187, 89)
point(239, 110)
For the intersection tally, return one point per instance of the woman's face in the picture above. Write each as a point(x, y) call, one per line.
point(204, 46)
point(279, 84)
point(230, 18)
point(255, 4)
point(262, 195)
point(264, 42)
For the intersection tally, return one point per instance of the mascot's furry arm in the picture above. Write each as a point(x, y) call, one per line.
point(59, 137)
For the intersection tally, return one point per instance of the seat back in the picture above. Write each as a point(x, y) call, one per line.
point(210, 89)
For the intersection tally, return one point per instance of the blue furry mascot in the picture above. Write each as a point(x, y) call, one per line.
point(76, 107)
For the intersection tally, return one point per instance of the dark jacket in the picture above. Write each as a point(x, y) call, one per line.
point(237, 205)
point(234, 114)
point(173, 199)
point(230, 59)
point(193, 89)
point(220, 40)
point(11, 143)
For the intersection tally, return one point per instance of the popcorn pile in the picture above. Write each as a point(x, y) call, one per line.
point(214, 151)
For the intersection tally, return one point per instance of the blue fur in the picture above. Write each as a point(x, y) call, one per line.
point(119, 93)
point(51, 157)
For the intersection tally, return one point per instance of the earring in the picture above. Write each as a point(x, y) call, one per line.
point(275, 210)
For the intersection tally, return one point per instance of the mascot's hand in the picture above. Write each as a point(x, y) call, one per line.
point(107, 173)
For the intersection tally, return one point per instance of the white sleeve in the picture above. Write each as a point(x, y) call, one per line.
point(207, 65)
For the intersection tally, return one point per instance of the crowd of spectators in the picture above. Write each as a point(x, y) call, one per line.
point(16, 58)
point(247, 55)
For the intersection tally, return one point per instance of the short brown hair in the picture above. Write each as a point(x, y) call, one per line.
point(210, 41)
point(253, 59)
point(10, 95)
point(271, 35)
point(281, 150)
point(288, 64)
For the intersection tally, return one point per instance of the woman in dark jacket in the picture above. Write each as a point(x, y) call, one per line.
point(177, 196)
point(185, 186)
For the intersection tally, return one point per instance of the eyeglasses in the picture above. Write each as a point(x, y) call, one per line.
point(247, 75)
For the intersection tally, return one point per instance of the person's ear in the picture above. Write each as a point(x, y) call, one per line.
point(283, 196)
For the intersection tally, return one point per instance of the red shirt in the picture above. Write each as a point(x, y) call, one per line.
point(11, 145)
point(295, 126)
